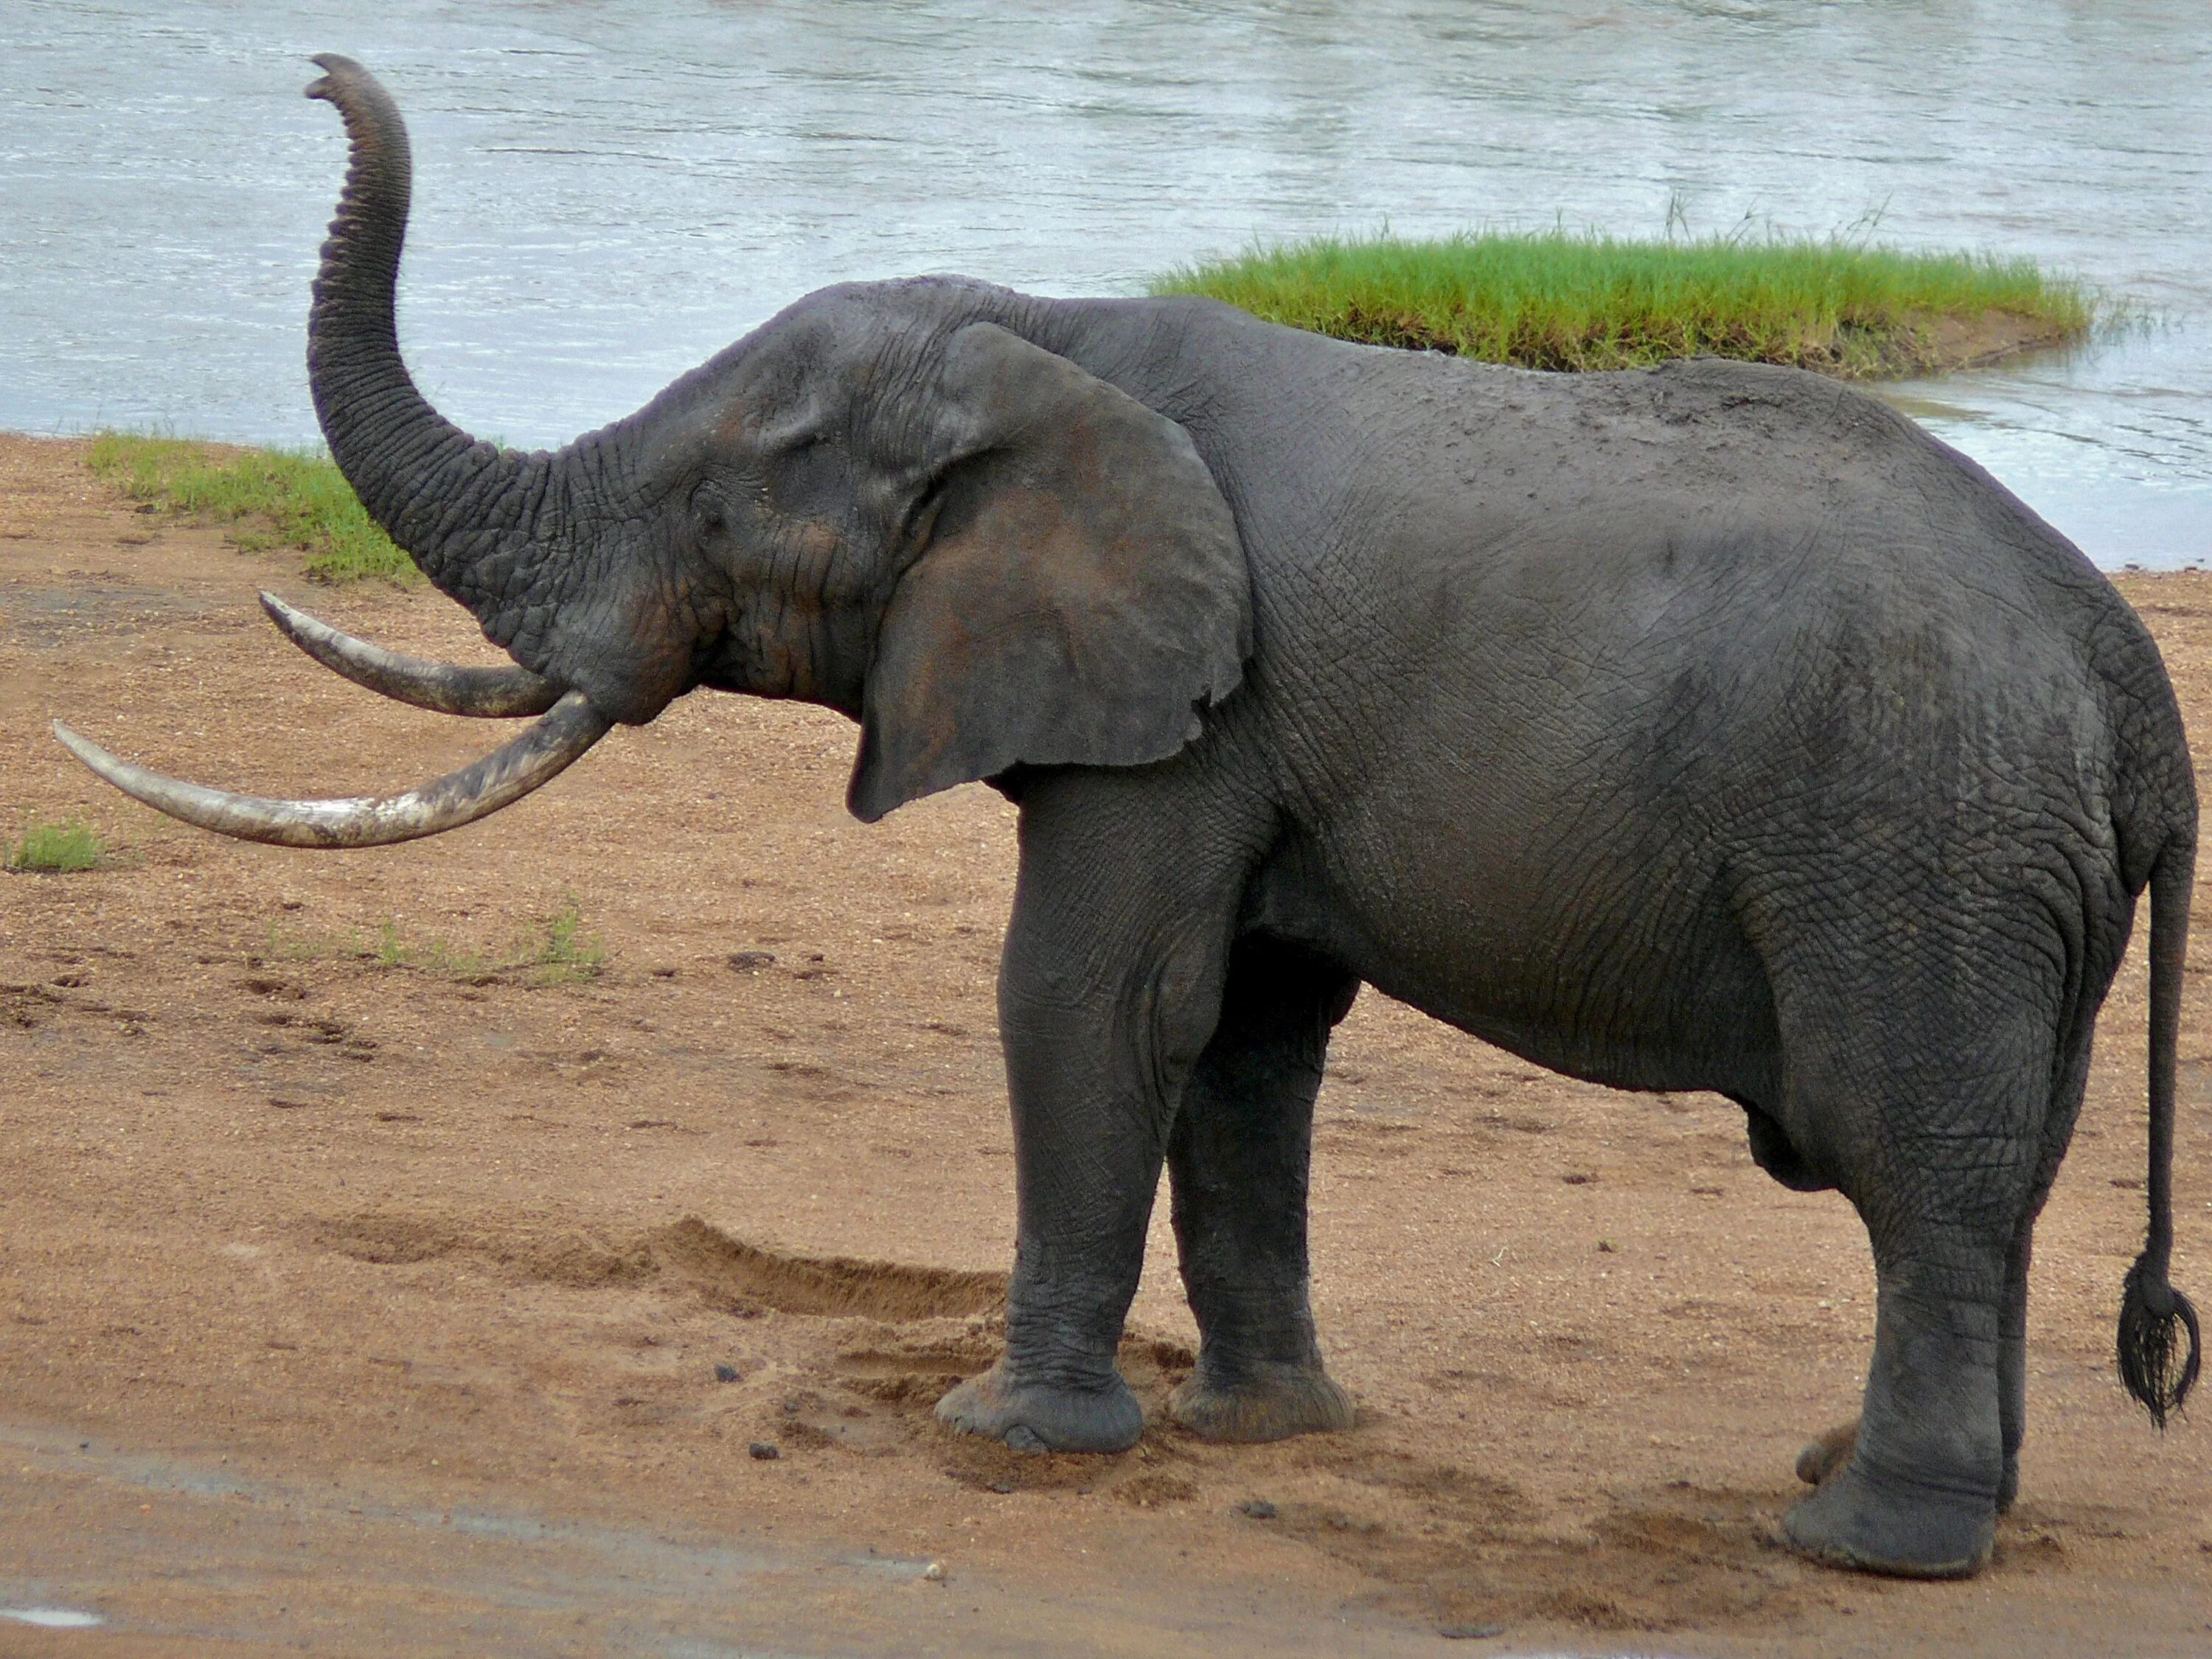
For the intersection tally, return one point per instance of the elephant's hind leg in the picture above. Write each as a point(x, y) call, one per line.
point(1932, 1111)
point(1830, 1454)
point(1238, 1158)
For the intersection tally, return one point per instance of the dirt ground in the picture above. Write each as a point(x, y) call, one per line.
point(366, 1288)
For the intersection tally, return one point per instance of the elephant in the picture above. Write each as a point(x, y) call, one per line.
point(1708, 727)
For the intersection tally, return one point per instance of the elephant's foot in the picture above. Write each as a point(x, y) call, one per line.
point(1273, 1403)
point(1830, 1453)
point(1034, 1417)
point(1870, 1524)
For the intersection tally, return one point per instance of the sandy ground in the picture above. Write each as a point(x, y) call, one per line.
point(359, 1295)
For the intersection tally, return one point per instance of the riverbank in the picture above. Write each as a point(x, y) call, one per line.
point(1559, 301)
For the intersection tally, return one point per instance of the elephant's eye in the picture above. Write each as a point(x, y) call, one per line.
point(708, 511)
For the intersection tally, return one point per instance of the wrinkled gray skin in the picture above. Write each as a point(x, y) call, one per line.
point(1711, 727)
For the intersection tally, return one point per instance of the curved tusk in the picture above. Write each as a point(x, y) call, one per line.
point(506, 774)
point(492, 692)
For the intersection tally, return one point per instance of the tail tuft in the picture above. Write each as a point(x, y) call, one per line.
point(2154, 1363)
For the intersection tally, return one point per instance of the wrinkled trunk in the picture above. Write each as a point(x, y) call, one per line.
point(468, 513)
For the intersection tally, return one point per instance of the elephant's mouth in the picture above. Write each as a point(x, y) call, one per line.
point(570, 725)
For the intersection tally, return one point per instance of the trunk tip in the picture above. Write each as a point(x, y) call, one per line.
point(337, 68)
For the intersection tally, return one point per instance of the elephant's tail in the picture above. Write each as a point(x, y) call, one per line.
point(2155, 1317)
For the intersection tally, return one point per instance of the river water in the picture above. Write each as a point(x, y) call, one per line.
point(608, 192)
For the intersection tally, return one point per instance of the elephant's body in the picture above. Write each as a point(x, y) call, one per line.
point(1710, 727)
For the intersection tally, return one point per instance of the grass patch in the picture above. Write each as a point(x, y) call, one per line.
point(1557, 300)
point(279, 498)
point(57, 849)
point(552, 950)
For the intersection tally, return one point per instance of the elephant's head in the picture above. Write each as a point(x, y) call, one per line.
point(886, 499)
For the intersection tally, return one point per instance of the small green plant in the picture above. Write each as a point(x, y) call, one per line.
point(277, 498)
point(564, 952)
point(1562, 300)
point(554, 950)
point(57, 849)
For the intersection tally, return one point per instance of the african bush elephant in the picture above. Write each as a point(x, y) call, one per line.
point(1710, 727)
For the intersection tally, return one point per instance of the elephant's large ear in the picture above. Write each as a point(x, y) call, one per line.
point(1082, 595)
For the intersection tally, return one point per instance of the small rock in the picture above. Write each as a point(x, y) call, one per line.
point(1605, 1247)
point(934, 1572)
point(791, 1408)
point(1258, 1509)
point(751, 962)
point(765, 1451)
point(1469, 1633)
point(725, 1373)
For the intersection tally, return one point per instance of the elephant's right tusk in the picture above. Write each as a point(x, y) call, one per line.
point(506, 774)
point(494, 692)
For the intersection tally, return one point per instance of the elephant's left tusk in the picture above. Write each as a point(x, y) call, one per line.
point(506, 774)
point(497, 693)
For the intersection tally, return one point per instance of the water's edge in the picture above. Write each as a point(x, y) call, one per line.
point(604, 199)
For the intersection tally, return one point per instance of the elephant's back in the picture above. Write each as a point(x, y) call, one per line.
point(1644, 570)
point(1786, 642)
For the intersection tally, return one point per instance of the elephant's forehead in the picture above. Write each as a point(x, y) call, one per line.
point(864, 329)
point(800, 367)
point(830, 356)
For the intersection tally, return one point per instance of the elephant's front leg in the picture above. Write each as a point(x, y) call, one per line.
point(1109, 988)
point(1239, 1159)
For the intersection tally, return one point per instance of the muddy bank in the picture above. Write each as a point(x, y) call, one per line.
point(351, 1299)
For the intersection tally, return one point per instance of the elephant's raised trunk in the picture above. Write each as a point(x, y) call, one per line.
point(466, 511)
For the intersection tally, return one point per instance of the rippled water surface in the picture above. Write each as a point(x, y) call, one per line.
point(606, 193)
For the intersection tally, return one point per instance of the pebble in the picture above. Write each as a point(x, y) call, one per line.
point(1469, 1633)
point(1258, 1509)
point(725, 1373)
point(934, 1572)
point(766, 1450)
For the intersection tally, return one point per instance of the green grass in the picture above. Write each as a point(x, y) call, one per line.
point(1558, 300)
point(58, 849)
point(552, 950)
point(277, 498)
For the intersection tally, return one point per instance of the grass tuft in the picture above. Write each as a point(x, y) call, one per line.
point(57, 849)
point(553, 951)
point(279, 498)
point(564, 952)
point(1557, 300)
